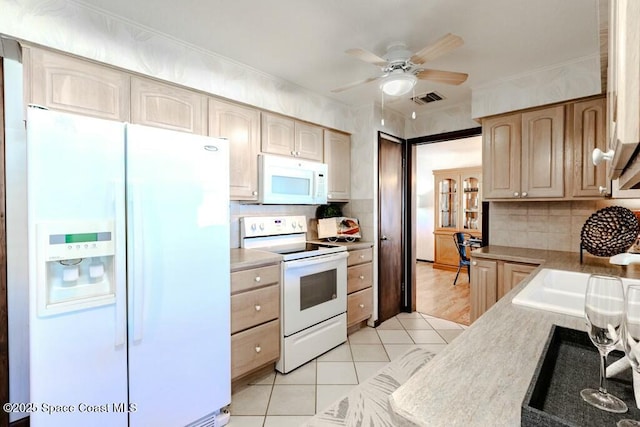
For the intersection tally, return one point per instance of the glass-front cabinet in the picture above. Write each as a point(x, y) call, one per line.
point(447, 190)
point(458, 207)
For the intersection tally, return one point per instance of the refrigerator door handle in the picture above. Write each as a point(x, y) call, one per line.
point(138, 282)
point(120, 271)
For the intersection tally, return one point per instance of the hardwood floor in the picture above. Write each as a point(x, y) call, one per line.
point(437, 296)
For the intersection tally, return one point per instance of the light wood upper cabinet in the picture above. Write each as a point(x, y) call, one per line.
point(308, 141)
point(65, 83)
point(241, 126)
point(278, 134)
point(587, 132)
point(166, 106)
point(501, 147)
point(288, 137)
point(543, 153)
point(523, 155)
point(337, 155)
point(624, 91)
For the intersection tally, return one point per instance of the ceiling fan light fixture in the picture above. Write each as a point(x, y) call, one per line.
point(398, 84)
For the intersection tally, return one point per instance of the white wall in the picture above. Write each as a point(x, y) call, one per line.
point(464, 152)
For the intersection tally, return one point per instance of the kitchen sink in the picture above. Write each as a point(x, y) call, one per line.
point(558, 291)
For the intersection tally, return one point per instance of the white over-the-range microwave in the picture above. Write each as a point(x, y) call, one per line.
point(291, 181)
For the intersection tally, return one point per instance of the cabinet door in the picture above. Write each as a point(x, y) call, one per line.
point(64, 83)
point(337, 156)
point(278, 134)
point(624, 88)
point(512, 274)
point(169, 107)
point(446, 202)
point(483, 288)
point(588, 133)
point(501, 147)
point(471, 202)
point(543, 153)
point(446, 253)
point(241, 126)
point(308, 141)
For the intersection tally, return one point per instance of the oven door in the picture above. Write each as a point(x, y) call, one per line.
point(314, 290)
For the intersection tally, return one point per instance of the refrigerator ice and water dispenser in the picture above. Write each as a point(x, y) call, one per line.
point(76, 268)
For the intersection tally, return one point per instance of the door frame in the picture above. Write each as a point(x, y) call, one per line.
point(408, 296)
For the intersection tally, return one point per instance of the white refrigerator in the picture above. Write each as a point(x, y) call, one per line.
point(129, 274)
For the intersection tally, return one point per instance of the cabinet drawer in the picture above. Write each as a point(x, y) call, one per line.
point(254, 348)
point(359, 306)
point(359, 277)
point(254, 307)
point(360, 256)
point(254, 278)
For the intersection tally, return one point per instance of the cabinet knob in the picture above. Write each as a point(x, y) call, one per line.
point(361, 277)
point(329, 196)
point(598, 156)
point(474, 263)
point(258, 349)
point(258, 307)
point(258, 278)
point(602, 190)
point(254, 193)
point(516, 194)
point(524, 194)
point(293, 153)
point(297, 153)
point(361, 305)
point(361, 256)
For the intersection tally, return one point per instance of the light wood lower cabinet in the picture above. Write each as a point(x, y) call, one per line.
point(254, 348)
point(359, 286)
point(491, 280)
point(255, 323)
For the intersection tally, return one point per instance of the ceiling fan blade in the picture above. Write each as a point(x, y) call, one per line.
point(352, 85)
point(444, 44)
point(366, 56)
point(447, 77)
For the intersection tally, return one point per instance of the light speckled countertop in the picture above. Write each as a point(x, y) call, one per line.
point(242, 259)
point(481, 378)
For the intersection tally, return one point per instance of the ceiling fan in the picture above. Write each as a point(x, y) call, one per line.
point(401, 68)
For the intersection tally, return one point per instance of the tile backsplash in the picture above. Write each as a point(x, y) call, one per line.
point(545, 225)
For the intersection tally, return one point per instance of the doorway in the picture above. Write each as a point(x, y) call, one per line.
point(434, 290)
point(393, 294)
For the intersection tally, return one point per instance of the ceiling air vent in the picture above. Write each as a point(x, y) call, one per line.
point(427, 98)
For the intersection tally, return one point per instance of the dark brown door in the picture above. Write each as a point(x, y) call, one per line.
point(390, 232)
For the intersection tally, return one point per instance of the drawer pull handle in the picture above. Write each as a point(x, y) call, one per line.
point(361, 305)
point(258, 349)
point(361, 256)
point(257, 279)
point(258, 308)
point(361, 277)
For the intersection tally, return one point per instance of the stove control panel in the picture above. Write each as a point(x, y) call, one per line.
point(256, 226)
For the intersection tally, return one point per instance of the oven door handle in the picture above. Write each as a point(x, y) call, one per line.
point(305, 262)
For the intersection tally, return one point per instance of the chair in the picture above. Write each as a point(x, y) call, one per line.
point(461, 240)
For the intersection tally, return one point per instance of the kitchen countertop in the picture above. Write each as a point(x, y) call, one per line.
point(481, 378)
point(242, 259)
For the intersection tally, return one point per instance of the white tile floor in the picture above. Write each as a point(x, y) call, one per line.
point(291, 399)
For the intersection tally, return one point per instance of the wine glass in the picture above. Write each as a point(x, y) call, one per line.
point(604, 311)
point(631, 338)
